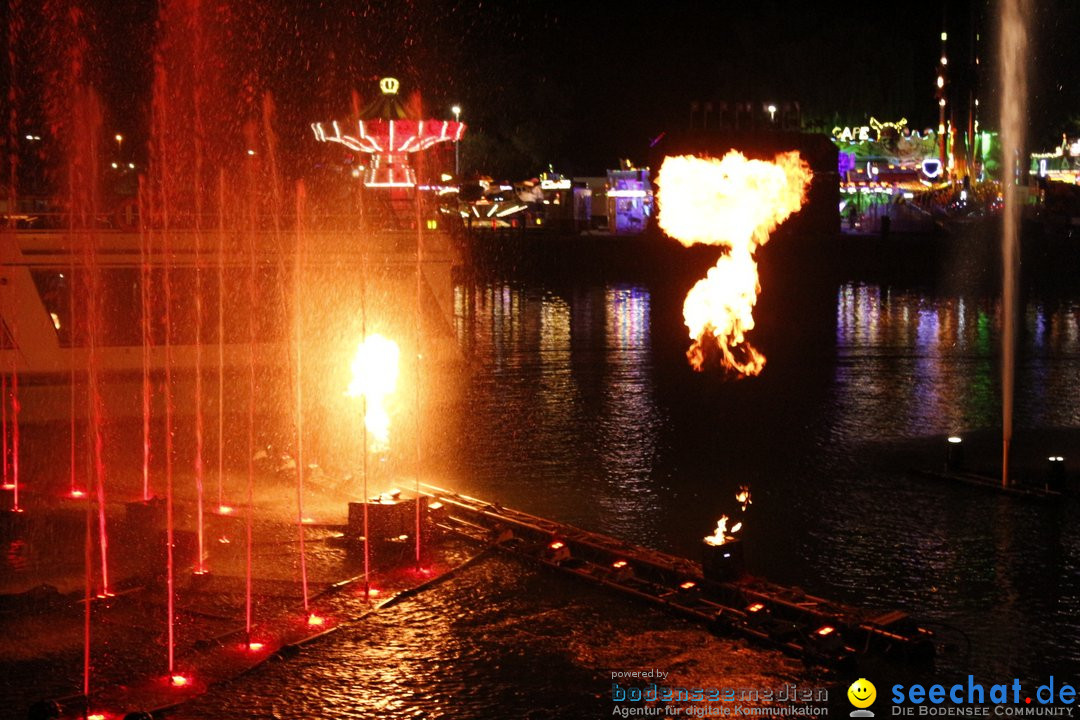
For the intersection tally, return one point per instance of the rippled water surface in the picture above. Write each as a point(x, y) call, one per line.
point(578, 405)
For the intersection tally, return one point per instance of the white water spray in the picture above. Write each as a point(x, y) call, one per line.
point(1013, 51)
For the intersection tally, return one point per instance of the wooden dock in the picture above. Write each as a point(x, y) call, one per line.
point(719, 594)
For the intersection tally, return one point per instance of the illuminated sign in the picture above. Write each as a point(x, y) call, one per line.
point(389, 86)
point(899, 126)
point(872, 131)
point(931, 167)
point(851, 134)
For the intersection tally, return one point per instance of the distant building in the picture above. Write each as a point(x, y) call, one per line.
point(629, 200)
point(598, 203)
point(1062, 164)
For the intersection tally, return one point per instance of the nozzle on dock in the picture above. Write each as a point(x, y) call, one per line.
point(954, 454)
point(723, 562)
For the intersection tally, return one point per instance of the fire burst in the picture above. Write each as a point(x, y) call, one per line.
point(737, 203)
point(722, 534)
point(374, 377)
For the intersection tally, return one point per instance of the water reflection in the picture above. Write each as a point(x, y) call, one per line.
point(911, 364)
point(562, 397)
point(629, 416)
point(567, 413)
point(1054, 332)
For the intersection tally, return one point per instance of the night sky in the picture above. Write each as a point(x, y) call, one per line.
point(575, 84)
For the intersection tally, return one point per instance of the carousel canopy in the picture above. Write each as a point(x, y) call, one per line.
point(386, 128)
point(390, 136)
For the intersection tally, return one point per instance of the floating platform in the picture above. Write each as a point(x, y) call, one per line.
point(1053, 483)
point(993, 484)
point(716, 592)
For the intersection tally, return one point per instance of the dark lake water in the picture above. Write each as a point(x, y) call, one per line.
point(579, 405)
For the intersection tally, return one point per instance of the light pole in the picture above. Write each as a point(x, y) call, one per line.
point(457, 143)
point(119, 146)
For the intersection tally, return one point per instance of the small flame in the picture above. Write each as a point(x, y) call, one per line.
point(721, 535)
point(735, 203)
point(374, 377)
point(178, 681)
point(315, 621)
point(743, 497)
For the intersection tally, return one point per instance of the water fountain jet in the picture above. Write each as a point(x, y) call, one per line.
point(1014, 58)
point(300, 257)
point(147, 336)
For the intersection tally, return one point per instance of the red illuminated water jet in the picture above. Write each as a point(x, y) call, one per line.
point(147, 335)
point(198, 86)
point(74, 116)
point(300, 257)
point(222, 507)
point(200, 559)
point(4, 423)
point(83, 184)
point(252, 302)
point(163, 177)
point(15, 408)
point(75, 491)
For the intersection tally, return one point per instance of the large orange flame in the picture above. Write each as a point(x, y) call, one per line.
point(374, 377)
point(736, 203)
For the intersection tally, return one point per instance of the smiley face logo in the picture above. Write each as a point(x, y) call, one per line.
point(862, 693)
